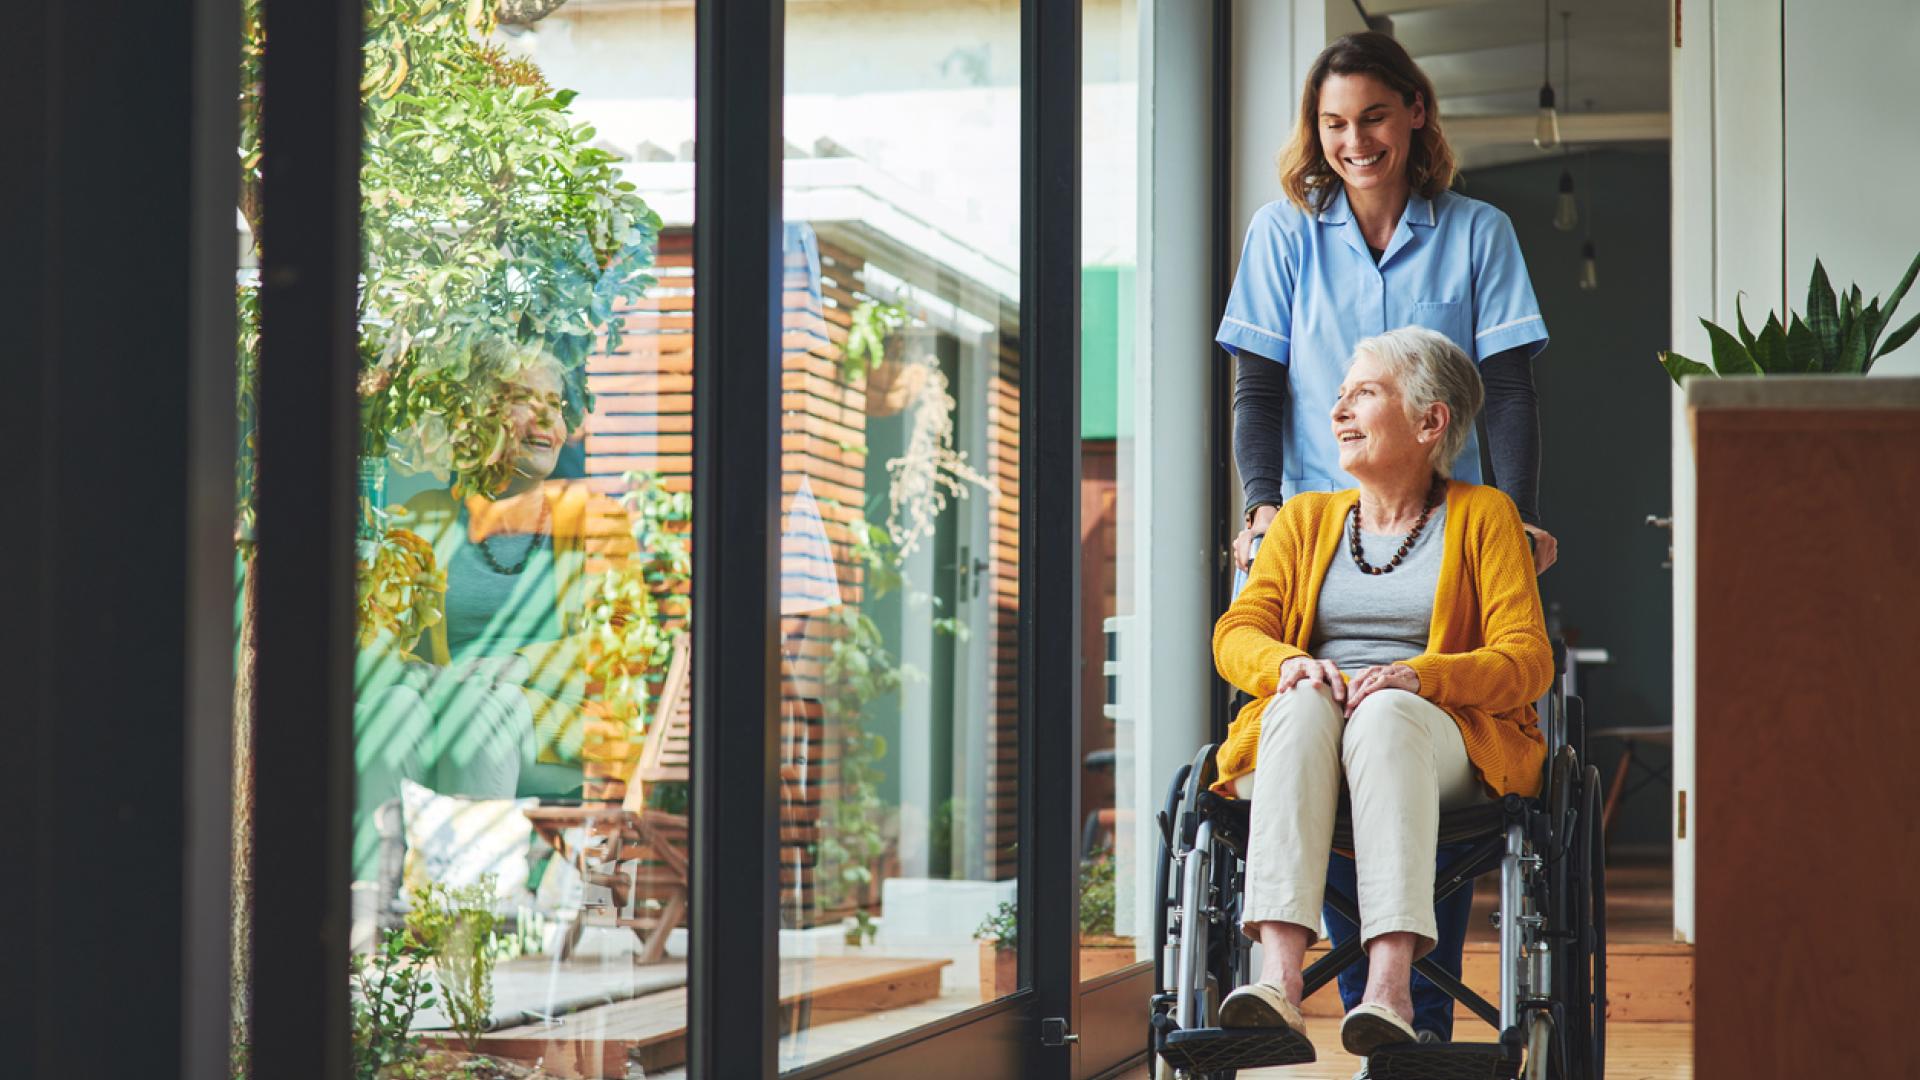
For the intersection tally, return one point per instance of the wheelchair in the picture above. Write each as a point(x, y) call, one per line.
point(1550, 1022)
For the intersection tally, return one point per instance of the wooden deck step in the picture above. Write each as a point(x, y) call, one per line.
point(651, 1031)
point(1645, 982)
point(1649, 977)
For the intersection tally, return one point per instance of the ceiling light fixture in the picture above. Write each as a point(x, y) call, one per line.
point(1566, 212)
point(1546, 131)
point(1589, 265)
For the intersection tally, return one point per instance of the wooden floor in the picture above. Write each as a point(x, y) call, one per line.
point(1639, 905)
point(1634, 1052)
point(1650, 992)
point(837, 1008)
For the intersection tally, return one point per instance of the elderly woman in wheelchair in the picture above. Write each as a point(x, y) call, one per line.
point(1392, 639)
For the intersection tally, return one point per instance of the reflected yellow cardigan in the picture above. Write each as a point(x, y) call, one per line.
point(1487, 658)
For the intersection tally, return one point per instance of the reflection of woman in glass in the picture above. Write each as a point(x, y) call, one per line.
point(492, 705)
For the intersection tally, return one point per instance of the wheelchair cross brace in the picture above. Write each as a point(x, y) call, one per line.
point(1485, 856)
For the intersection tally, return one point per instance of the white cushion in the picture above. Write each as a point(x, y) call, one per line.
point(456, 841)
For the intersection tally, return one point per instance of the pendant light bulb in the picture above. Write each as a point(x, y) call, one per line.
point(1546, 130)
point(1566, 212)
point(1589, 268)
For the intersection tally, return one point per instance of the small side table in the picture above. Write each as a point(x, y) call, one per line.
point(1631, 739)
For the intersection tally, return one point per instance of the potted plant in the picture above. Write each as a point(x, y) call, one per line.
point(1836, 336)
point(999, 938)
point(1101, 951)
point(876, 350)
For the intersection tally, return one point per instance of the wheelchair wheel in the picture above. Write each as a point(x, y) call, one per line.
point(1165, 883)
point(1583, 974)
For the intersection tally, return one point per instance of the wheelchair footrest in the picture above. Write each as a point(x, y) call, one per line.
point(1442, 1061)
point(1204, 1050)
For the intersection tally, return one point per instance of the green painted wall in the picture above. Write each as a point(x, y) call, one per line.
point(1106, 351)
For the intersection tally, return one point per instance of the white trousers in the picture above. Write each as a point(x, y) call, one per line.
point(1404, 763)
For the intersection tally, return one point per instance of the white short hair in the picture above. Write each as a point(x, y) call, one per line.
point(1430, 369)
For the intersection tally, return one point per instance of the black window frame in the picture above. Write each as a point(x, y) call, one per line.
point(307, 425)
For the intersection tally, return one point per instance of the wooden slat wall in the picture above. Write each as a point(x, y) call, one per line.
point(1003, 726)
point(643, 422)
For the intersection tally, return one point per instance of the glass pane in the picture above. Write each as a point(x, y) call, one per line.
point(900, 436)
point(1109, 862)
point(521, 709)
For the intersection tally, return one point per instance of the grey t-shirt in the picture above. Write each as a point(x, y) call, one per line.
point(1365, 619)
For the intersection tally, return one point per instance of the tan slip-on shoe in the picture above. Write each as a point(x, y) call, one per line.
point(1261, 1005)
point(1370, 1026)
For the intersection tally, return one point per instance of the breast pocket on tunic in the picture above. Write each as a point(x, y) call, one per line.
point(1450, 317)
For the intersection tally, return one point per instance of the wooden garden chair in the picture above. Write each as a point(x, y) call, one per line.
point(638, 854)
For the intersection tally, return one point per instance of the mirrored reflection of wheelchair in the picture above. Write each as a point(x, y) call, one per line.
point(1550, 1020)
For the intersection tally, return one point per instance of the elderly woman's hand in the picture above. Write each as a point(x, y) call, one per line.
point(1381, 677)
point(1306, 671)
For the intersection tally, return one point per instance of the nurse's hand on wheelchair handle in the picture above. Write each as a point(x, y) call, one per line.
point(1257, 528)
point(1306, 671)
point(1545, 548)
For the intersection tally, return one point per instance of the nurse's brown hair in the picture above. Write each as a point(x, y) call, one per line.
point(1305, 174)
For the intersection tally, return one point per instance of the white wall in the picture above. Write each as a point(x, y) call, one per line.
point(1853, 149)
point(1793, 136)
point(1274, 43)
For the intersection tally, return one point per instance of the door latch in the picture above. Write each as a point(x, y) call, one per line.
point(1053, 1032)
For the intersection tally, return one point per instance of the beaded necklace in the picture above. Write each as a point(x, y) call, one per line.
point(539, 533)
point(1434, 494)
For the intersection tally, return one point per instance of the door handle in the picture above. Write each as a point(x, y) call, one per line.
point(1658, 522)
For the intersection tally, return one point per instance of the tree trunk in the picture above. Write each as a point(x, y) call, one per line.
point(240, 944)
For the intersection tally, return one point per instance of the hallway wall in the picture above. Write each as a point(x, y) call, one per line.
point(1603, 409)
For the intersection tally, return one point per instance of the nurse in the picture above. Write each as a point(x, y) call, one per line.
point(1369, 239)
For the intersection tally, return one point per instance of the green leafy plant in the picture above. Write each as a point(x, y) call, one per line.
point(637, 609)
point(390, 988)
point(671, 798)
point(487, 216)
point(1001, 926)
point(399, 590)
point(1837, 335)
point(457, 927)
point(1096, 894)
point(860, 928)
point(859, 669)
point(872, 323)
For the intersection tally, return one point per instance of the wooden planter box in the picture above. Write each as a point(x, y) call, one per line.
point(999, 971)
point(1103, 955)
point(1000, 968)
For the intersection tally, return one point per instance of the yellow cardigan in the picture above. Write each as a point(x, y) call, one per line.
point(1487, 657)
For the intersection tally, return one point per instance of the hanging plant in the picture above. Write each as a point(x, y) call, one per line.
point(930, 470)
point(872, 326)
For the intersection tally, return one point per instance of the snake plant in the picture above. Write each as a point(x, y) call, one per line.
point(1836, 336)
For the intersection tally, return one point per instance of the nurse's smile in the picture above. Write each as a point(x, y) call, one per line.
point(1366, 130)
